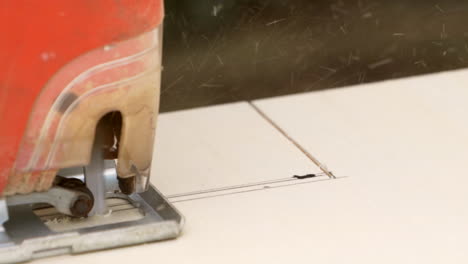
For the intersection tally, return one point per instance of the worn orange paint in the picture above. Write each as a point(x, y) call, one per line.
point(38, 38)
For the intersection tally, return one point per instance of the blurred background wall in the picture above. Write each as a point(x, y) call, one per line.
point(218, 51)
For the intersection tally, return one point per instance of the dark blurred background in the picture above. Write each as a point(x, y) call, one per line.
point(218, 51)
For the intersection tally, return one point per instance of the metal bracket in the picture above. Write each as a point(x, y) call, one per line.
point(31, 233)
point(3, 212)
point(3, 219)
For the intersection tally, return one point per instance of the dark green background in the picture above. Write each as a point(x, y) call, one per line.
point(218, 51)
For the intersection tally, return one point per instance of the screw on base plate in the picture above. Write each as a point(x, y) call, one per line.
point(85, 200)
point(68, 196)
point(82, 206)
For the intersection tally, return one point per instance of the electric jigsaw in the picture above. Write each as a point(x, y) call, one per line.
point(79, 99)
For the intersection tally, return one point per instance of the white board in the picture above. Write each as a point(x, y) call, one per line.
point(402, 144)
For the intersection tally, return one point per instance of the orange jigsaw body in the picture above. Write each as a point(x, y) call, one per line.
point(65, 65)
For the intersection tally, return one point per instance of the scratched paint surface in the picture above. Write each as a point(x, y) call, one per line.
point(218, 51)
point(42, 39)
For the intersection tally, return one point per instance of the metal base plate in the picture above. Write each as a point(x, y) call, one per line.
point(27, 235)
